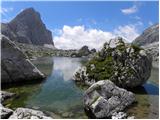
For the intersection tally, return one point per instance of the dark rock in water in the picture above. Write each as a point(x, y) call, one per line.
point(6, 95)
point(150, 35)
point(126, 65)
point(93, 50)
point(103, 99)
point(26, 113)
point(27, 27)
point(84, 51)
point(5, 112)
point(15, 65)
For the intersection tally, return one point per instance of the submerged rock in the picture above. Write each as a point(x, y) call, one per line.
point(119, 115)
point(124, 64)
point(26, 113)
point(16, 67)
point(6, 95)
point(103, 99)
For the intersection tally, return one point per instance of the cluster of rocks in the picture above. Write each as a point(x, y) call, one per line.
point(33, 51)
point(19, 113)
point(118, 65)
point(84, 51)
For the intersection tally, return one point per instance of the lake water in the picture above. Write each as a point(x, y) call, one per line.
point(61, 98)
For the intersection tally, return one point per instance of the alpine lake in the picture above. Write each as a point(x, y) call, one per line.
point(59, 96)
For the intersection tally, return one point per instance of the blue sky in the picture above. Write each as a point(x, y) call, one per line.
point(103, 16)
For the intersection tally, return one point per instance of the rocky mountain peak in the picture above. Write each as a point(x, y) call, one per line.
point(28, 27)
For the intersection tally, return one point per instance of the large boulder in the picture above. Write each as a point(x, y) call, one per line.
point(15, 66)
point(103, 99)
point(27, 27)
point(26, 113)
point(126, 65)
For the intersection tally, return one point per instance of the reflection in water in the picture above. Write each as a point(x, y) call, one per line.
point(59, 94)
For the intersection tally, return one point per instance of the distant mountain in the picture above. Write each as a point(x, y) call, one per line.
point(27, 27)
point(150, 35)
point(149, 40)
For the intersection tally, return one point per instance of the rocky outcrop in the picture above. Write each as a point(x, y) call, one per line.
point(126, 65)
point(33, 51)
point(84, 51)
point(150, 35)
point(26, 113)
point(27, 27)
point(103, 99)
point(19, 113)
point(15, 67)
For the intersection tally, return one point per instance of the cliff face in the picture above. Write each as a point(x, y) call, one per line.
point(150, 35)
point(27, 27)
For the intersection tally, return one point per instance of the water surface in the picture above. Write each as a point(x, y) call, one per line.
point(59, 95)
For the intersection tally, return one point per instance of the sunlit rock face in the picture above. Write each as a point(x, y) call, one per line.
point(27, 27)
point(16, 67)
point(103, 99)
point(126, 65)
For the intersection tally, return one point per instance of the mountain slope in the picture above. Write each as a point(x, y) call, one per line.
point(150, 35)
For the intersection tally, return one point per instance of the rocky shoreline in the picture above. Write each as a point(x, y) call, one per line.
point(19, 113)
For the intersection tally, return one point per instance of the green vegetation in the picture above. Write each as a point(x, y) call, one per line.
point(136, 48)
point(112, 63)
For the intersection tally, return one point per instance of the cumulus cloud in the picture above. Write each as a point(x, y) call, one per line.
point(130, 10)
point(129, 32)
point(4, 11)
point(77, 36)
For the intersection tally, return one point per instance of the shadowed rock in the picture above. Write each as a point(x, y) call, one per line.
point(15, 65)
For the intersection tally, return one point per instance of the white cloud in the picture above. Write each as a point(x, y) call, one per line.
point(130, 10)
point(77, 36)
point(129, 32)
point(4, 11)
